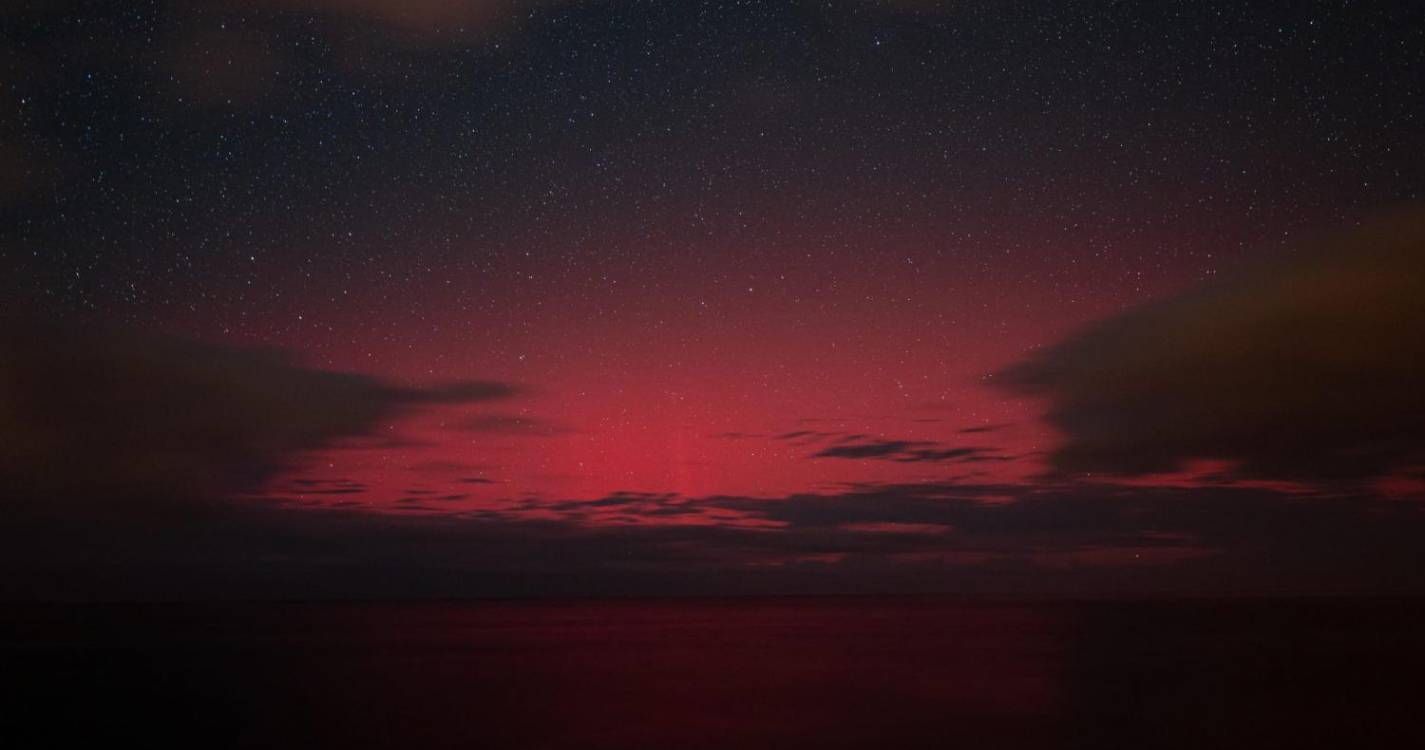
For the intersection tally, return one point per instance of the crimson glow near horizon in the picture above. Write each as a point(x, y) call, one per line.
point(707, 258)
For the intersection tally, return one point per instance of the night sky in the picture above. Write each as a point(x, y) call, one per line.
point(408, 297)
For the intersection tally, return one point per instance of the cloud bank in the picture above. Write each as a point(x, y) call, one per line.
point(1311, 370)
point(89, 415)
point(902, 451)
point(116, 452)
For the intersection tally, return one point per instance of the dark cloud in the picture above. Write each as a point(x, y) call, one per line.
point(864, 447)
point(904, 451)
point(115, 448)
point(1308, 370)
point(90, 415)
point(1059, 540)
point(868, 449)
point(1252, 539)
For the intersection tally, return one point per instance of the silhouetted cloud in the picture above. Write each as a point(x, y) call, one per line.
point(92, 415)
point(1308, 370)
point(904, 451)
point(114, 451)
point(1057, 539)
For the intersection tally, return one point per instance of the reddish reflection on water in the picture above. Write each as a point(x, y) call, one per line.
point(758, 673)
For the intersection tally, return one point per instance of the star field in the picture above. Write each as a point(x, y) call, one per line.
point(683, 231)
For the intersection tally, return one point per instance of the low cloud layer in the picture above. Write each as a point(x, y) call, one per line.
point(1072, 539)
point(1310, 370)
point(116, 450)
point(903, 451)
point(87, 416)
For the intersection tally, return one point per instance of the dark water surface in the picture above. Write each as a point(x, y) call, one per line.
point(734, 673)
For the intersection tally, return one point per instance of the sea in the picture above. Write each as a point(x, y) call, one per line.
point(794, 672)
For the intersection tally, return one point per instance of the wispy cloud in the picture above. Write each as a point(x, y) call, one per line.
point(903, 451)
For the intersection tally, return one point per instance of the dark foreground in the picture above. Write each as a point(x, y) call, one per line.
point(758, 673)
